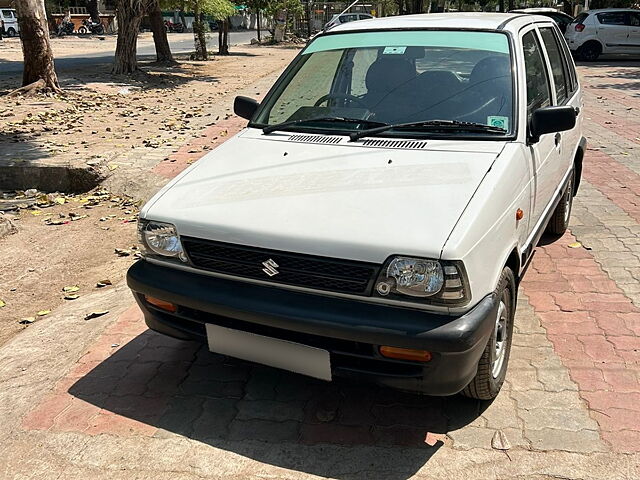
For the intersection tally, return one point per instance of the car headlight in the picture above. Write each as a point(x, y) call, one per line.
point(160, 239)
point(437, 282)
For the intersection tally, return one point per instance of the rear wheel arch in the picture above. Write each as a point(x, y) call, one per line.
point(577, 167)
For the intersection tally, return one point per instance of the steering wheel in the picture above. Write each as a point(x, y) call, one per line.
point(337, 96)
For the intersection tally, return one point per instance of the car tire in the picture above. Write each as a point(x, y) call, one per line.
point(492, 367)
point(83, 30)
point(11, 32)
point(559, 221)
point(590, 51)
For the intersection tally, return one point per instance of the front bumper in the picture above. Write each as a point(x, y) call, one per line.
point(350, 330)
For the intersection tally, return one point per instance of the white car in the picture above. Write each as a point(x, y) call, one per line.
point(562, 19)
point(9, 19)
point(606, 31)
point(345, 18)
point(376, 215)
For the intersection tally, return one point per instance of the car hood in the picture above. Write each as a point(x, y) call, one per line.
point(342, 200)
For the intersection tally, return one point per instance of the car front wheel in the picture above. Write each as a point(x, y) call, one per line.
point(492, 367)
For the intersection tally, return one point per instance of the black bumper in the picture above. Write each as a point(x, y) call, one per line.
point(350, 330)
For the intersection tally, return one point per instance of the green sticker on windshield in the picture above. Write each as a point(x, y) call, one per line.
point(498, 121)
point(394, 50)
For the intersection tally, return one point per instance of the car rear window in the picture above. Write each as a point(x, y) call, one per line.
point(580, 18)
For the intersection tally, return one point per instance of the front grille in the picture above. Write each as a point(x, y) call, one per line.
point(321, 273)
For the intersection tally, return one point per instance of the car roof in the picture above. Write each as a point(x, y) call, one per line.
point(604, 10)
point(454, 20)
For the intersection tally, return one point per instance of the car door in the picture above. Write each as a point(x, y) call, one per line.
point(545, 153)
point(613, 31)
point(564, 93)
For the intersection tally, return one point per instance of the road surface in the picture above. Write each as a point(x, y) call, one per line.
point(180, 43)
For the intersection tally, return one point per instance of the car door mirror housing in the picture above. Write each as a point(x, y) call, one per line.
point(245, 107)
point(550, 120)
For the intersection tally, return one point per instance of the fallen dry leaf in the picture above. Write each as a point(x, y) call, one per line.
point(500, 441)
point(96, 314)
point(42, 313)
point(71, 289)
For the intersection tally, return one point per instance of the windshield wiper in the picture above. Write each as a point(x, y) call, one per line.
point(290, 123)
point(429, 125)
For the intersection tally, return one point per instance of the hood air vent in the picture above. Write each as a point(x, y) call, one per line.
point(406, 144)
point(314, 139)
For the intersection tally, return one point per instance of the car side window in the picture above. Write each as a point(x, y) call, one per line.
point(7, 13)
point(558, 67)
point(634, 19)
point(612, 18)
point(538, 92)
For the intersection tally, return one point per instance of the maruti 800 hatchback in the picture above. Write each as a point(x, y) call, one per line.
point(374, 218)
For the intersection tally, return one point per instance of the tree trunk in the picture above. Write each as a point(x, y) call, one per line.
point(199, 36)
point(223, 37)
point(92, 8)
point(258, 25)
point(183, 19)
point(163, 50)
point(36, 49)
point(130, 13)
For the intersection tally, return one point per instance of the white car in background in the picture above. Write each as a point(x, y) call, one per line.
point(346, 18)
point(9, 19)
point(606, 31)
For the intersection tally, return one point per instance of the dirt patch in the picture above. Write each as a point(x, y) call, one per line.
point(67, 245)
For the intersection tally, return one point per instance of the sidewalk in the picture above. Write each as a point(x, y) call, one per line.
point(106, 398)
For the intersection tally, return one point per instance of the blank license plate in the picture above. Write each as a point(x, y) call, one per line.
point(274, 352)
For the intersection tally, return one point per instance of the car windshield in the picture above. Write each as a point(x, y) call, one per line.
point(394, 77)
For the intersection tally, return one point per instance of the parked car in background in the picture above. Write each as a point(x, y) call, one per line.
point(345, 18)
point(562, 19)
point(604, 31)
point(9, 17)
point(375, 217)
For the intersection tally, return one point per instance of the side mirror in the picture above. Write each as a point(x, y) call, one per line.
point(550, 120)
point(245, 107)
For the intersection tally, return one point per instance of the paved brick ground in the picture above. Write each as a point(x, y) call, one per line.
point(128, 403)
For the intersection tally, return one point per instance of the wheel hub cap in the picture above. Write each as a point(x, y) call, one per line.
point(500, 334)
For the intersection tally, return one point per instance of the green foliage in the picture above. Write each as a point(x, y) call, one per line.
point(217, 9)
point(292, 7)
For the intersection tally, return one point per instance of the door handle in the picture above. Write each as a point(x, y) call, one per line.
point(558, 138)
point(577, 110)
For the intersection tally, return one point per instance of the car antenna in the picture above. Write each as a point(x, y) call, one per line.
point(324, 29)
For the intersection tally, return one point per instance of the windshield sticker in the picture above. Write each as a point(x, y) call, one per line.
point(498, 121)
point(394, 50)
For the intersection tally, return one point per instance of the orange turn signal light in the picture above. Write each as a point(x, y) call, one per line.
point(162, 304)
point(519, 214)
point(405, 354)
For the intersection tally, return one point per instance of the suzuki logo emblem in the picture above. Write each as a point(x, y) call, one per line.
point(270, 267)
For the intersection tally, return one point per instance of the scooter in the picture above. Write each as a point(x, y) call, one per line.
point(173, 27)
point(65, 28)
point(89, 26)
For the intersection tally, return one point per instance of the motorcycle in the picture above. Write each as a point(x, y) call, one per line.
point(173, 27)
point(89, 26)
point(65, 28)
